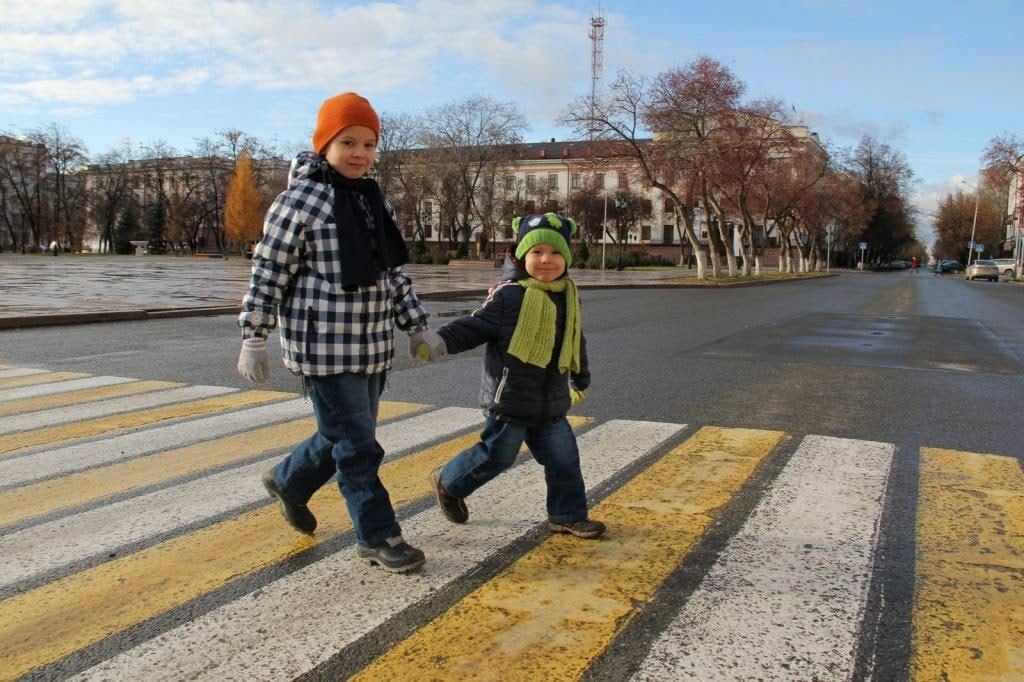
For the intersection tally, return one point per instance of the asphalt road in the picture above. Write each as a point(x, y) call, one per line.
point(850, 395)
point(893, 357)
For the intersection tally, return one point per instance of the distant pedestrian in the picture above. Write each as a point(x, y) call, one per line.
point(329, 269)
point(535, 367)
point(54, 247)
point(913, 264)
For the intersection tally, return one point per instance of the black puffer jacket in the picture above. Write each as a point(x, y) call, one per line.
point(511, 389)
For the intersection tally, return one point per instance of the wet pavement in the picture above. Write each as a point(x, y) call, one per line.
point(36, 290)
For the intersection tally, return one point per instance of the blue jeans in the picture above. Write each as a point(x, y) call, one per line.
point(345, 443)
point(553, 445)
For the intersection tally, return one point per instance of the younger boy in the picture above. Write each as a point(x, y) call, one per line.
point(535, 367)
point(329, 268)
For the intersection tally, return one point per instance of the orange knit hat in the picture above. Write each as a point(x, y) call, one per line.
point(340, 112)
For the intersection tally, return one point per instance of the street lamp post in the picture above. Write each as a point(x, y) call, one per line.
point(604, 230)
point(974, 223)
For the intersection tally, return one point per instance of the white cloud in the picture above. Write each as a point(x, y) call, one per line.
point(100, 52)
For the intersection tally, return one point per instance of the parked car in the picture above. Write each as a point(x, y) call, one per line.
point(983, 269)
point(949, 266)
point(1007, 266)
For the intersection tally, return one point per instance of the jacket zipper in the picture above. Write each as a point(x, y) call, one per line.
point(501, 385)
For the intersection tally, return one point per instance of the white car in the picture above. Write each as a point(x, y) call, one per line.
point(1007, 266)
point(983, 269)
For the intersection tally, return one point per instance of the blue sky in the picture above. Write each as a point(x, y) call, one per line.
point(937, 80)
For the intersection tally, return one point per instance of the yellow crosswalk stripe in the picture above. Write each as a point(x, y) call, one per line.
point(42, 625)
point(40, 498)
point(553, 611)
point(33, 379)
point(83, 396)
point(127, 420)
point(968, 617)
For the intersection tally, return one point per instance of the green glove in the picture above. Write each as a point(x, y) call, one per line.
point(576, 396)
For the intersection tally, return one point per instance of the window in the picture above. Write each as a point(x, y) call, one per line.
point(645, 233)
point(552, 180)
point(599, 180)
point(623, 180)
point(508, 231)
point(510, 182)
point(668, 206)
point(530, 206)
point(668, 234)
point(577, 181)
point(531, 182)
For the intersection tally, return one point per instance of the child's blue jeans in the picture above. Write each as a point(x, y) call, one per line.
point(345, 443)
point(553, 445)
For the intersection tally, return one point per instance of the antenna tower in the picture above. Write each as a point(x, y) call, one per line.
point(596, 54)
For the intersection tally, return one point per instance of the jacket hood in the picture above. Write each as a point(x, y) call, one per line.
point(307, 166)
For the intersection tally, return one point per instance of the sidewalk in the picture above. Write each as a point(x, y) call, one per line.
point(74, 289)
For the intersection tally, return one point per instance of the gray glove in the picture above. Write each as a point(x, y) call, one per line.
point(427, 345)
point(253, 361)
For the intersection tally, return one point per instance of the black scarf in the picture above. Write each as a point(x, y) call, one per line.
point(365, 247)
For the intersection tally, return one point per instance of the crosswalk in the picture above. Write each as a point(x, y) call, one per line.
point(138, 544)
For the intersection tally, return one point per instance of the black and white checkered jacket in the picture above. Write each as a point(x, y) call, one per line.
point(296, 279)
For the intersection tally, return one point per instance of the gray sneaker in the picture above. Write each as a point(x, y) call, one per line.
point(587, 528)
point(394, 555)
point(298, 516)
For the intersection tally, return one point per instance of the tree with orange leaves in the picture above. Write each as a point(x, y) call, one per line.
point(243, 208)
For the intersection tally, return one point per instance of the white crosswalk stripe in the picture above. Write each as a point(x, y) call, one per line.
point(12, 372)
point(70, 458)
point(40, 390)
point(103, 408)
point(784, 600)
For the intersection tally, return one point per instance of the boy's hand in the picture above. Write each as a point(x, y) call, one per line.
point(427, 345)
point(576, 396)
point(253, 361)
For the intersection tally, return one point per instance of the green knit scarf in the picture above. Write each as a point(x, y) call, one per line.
point(534, 338)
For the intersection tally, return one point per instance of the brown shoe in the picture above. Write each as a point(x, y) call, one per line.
point(453, 508)
point(587, 528)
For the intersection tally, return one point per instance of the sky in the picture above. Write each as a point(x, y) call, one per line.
point(935, 80)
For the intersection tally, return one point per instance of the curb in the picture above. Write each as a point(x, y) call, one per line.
point(57, 319)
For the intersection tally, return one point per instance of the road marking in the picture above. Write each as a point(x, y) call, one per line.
point(20, 372)
point(73, 397)
point(553, 611)
point(42, 625)
point(968, 619)
point(104, 408)
point(69, 458)
point(85, 394)
point(57, 543)
point(786, 597)
point(224, 399)
point(27, 501)
point(61, 387)
point(37, 378)
point(336, 600)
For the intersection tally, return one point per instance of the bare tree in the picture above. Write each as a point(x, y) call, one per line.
point(66, 155)
point(23, 165)
point(475, 138)
point(108, 191)
point(667, 162)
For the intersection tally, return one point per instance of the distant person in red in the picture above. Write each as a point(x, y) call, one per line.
point(913, 263)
